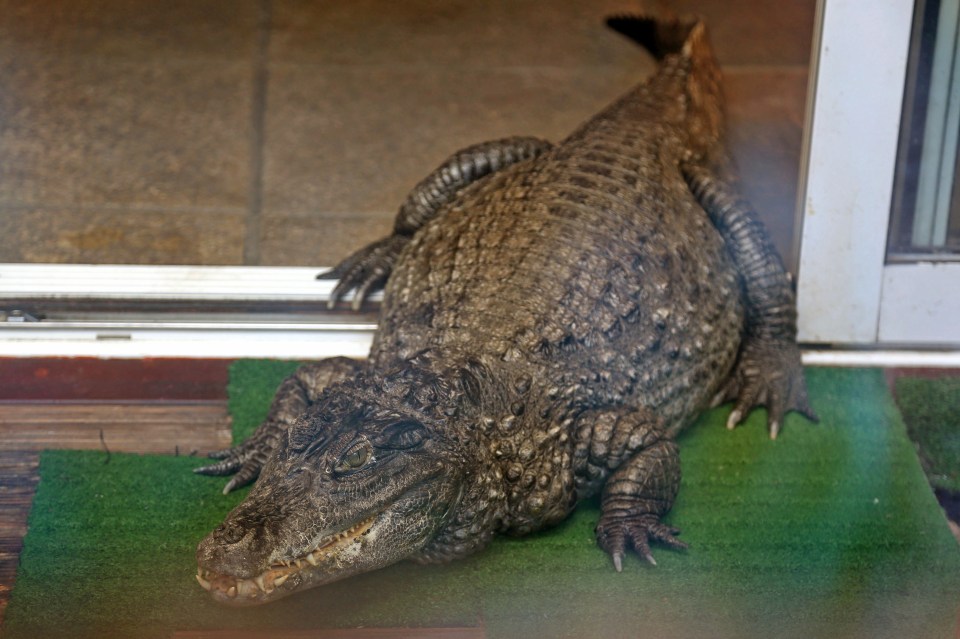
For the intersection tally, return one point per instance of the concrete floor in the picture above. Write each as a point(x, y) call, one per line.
point(278, 132)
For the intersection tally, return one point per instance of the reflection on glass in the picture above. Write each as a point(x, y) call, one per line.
point(926, 211)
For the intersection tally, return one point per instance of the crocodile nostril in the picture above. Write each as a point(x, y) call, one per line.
point(231, 533)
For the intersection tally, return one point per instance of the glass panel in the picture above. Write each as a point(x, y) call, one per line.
point(926, 212)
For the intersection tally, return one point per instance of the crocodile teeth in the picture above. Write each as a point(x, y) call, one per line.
point(278, 573)
point(325, 547)
point(246, 588)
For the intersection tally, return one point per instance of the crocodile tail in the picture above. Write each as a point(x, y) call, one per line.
point(684, 41)
point(660, 37)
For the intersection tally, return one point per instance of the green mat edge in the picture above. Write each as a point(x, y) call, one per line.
point(931, 412)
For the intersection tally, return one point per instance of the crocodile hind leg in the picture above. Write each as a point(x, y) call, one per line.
point(369, 268)
point(292, 399)
point(768, 371)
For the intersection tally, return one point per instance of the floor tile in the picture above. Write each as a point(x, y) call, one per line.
point(456, 33)
point(357, 139)
point(298, 240)
point(510, 32)
point(132, 29)
point(765, 110)
point(112, 106)
point(120, 236)
point(327, 158)
point(82, 131)
point(755, 32)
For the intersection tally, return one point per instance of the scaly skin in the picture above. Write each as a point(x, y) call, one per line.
point(552, 316)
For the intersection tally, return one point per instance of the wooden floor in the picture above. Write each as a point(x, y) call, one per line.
point(176, 407)
point(18, 481)
point(172, 427)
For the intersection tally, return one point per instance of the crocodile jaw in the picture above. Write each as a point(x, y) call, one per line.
point(331, 558)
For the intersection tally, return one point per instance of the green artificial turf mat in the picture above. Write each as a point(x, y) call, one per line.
point(829, 531)
point(931, 410)
point(252, 385)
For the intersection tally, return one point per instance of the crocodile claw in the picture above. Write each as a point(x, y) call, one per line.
point(616, 532)
point(769, 374)
point(365, 271)
point(245, 460)
point(733, 419)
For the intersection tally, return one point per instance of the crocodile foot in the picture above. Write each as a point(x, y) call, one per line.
point(616, 531)
point(246, 460)
point(769, 373)
point(366, 270)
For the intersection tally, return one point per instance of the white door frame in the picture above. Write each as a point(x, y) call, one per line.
point(847, 294)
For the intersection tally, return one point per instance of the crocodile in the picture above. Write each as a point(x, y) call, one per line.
point(553, 315)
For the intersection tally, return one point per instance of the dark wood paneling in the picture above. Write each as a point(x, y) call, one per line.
point(89, 378)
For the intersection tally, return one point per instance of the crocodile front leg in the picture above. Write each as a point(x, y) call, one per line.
point(292, 399)
point(634, 499)
point(768, 372)
point(645, 464)
point(369, 268)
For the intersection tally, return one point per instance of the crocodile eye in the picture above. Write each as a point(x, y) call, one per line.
point(354, 458)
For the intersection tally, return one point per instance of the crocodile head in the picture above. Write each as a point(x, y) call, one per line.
point(361, 481)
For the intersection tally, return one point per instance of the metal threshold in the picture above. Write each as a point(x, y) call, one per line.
point(111, 311)
point(237, 312)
